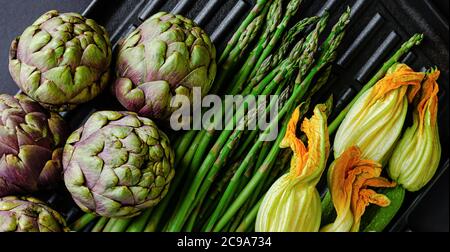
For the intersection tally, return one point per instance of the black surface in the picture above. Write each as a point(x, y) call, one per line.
point(432, 212)
point(394, 21)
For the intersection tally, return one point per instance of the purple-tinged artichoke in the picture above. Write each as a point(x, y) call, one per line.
point(61, 60)
point(117, 164)
point(31, 146)
point(27, 214)
point(167, 55)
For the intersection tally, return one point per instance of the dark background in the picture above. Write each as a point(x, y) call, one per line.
point(431, 215)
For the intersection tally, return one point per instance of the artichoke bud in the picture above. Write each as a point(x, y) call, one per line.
point(349, 177)
point(375, 121)
point(61, 60)
point(118, 164)
point(416, 157)
point(292, 203)
point(165, 57)
point(31, 143)
point(27, 214)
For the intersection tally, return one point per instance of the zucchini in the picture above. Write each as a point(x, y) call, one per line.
point(377, 218)
point(328, 211)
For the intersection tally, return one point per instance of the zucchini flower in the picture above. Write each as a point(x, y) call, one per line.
point(374, 123)
point(416, 157)
point(348, 179)
point(292, 204)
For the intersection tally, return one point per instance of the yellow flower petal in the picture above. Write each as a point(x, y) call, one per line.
point(308, 160)
point(349, 178)
point(428, 99)
point(402, 75)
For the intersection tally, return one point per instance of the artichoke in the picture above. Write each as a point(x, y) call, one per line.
point(27, 214)
point(165, 56)
point(61, 60)
point(117, 164)
point(31, 146)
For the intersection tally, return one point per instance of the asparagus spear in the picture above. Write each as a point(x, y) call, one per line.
point(249, 34)
point(79, 224)
point(183, 146)
point(110, 224)
point(259, 6)
point(138, 224)
point(291, 11)
point(273, 60)
point(100, 224)
point(119, 225)
point(249, 221)
point(310, 49)
point(272, 20)
point(328, 55)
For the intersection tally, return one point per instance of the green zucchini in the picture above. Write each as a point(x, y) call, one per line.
point(377, 218)
point(328, 211)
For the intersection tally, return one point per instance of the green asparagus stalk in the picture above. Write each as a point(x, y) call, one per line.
point(274, 59)
point(259, 6)
point(120, 225)
point(249, 221)
point(138, 224)
point(100, 224)
point(110, 224)
point(228, 66)
point(212, 198)
point(265, 68)
point(291, 11)
point(272, 20)
point(310, 49)
point(192, 220)
point(323, 79)
point(79, 224)
point(239, 217)
point(183, 146)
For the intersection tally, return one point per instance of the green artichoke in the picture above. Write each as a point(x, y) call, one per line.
point(31, 146)
point(61, 60)
point(117, 164)
point(27, 214)
point(167, 55)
